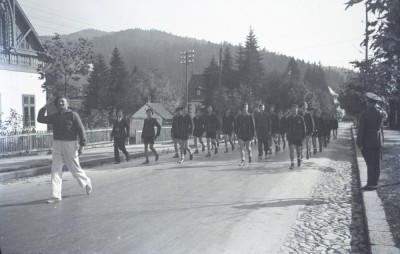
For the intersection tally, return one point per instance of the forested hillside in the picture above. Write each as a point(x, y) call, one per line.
point(155, 49)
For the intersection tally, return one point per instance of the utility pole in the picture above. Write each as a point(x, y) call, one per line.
point(366, 33)
point(187, 57)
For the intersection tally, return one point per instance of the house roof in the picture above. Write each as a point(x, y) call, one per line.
point(33, 34)
point(160, 109)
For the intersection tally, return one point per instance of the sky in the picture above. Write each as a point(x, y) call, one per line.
point(318, 31)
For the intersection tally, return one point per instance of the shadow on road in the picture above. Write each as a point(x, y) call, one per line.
point(37, 202)
point(280, 203)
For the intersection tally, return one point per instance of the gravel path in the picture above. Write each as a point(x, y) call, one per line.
point(333, 219)
point(389, 182)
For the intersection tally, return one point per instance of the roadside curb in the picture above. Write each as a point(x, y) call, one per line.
point(7, 176)
point(380, 237)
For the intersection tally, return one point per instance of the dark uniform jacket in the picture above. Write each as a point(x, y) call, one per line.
point(182, 127)
point(296, 128)
point(66, 127)
point(245, 127)
point(309, 121)
point(148, 128)
point(274, 123)
point(211, 122)
point(120, 129)
point(335, 124)
point(228, 124)
point(370, 128)
point(263, 124)
point(319, 127)
point(283, 125)
point(198, 124)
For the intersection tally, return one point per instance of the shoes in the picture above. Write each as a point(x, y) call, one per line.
point(208, 155)
point(291, 166)
point(203, 148)
point(157, 156)
point(127, 157)
point(298, 162)
point(191, 156)
point(369, 187)
point(53, 200)
point(308, 155)
point(197, 151)
point(145, 162)
point(216, 150)
point(176, 156)
point(88, 187)
point(116, 162)
point(241, 163)
point(249, 159)
point(181, 161)
point(226, 151)
point(269, 151)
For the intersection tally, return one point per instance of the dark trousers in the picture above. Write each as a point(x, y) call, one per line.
point(263, 144)
point(372, 157)
point(119, 144)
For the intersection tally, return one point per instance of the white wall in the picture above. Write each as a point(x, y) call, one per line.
point(15, 84)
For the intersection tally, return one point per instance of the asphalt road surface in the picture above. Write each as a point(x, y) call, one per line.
point(208, 205)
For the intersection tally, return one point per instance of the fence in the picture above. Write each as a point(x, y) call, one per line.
point(44, 141)
point(165, 135)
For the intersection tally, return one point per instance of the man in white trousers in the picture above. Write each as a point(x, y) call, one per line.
point(67, 127)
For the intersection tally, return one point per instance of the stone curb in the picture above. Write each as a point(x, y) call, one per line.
point(379, 234)
point(7, 176)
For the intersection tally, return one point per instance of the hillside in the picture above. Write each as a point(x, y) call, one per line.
point(157, 49)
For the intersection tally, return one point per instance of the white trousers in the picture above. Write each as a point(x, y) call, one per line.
point(66, 152)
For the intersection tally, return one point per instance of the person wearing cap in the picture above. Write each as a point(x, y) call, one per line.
point(149, 135)
point(263, 130)
point(245, 131)
point(198, 130)
point(67, 128)
point(370, 139)
point(120, 132)
point(295, 135)
point(335, 126)
point(309, 121)
point(189, 132)
point(211, 125)
point(228, 126)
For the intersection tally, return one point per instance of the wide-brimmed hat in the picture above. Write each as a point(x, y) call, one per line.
point(372, 97)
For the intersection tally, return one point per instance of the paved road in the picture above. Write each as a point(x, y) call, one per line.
point(208, 205)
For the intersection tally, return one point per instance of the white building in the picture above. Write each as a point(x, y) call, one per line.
point(20, 87)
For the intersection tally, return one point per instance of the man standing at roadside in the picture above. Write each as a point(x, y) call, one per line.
point(67, 127)
point(119, 133)
point(370, 139)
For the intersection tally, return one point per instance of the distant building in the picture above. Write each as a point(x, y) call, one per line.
point(163, 116)
point(20, 87)
point(196, 93)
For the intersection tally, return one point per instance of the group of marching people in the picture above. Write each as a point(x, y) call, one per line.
point(298, 125)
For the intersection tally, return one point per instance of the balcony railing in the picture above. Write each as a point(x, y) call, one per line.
point(18, 60)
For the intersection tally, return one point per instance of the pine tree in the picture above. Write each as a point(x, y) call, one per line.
point(229, 74)
point(253, 68)
point(118, 81)
point(211, 80)
point(95, 92)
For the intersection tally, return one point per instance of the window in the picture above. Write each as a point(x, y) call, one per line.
point(28, 102)
point(198, 92)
